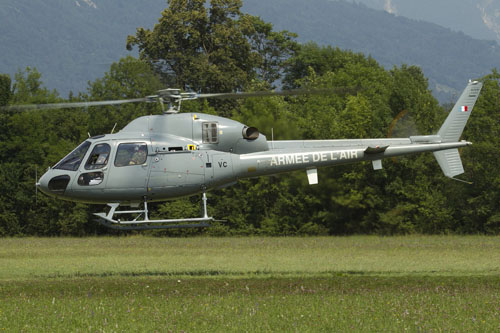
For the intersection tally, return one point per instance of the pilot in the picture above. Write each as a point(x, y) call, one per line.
point(139, 156)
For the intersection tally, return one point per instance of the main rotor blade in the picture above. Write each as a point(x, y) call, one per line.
point(291, 92)
point(180, 96)
point(25, 107)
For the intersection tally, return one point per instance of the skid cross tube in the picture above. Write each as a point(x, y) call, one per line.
point(141, 220)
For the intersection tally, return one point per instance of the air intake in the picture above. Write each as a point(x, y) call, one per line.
point(250, 133)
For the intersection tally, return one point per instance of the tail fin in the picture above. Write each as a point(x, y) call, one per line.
point(453, 126)
point(450, 162)
point(451, 130)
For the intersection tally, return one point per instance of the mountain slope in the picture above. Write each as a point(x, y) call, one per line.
point(477, 18)
point(447, 58)
point(73, 42)
point(69, 42)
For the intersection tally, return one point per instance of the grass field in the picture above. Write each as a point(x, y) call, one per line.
point(362, 283)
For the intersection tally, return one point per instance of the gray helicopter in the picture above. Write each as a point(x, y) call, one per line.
point(161, 157)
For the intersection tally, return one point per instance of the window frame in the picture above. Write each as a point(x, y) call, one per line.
point(76, 156)
point(88, 178)
point(95, 166)
point(120, 148)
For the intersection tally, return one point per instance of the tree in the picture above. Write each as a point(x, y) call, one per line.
point(320, 60)
point(28, 88)
point(477, 208)
point(127, 78)
point(274, 48)
point(215, 49)
point(33, 140)
point(410, 92)
point(5, 95)
point(5, 91)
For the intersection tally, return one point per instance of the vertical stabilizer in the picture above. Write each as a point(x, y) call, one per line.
point(454, 125)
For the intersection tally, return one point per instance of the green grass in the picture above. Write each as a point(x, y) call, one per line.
point(25, 258)
point(365, 283)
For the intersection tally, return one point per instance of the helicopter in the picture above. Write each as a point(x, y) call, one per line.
point(171, 155)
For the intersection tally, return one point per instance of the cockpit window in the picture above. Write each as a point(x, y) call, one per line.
point(99, 157)
point(72, 160)
point(131, 154)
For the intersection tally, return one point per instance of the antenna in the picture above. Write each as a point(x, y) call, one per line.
point(462, 181)
point(272, 137)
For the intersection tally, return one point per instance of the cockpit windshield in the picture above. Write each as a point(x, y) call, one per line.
point(72, 160)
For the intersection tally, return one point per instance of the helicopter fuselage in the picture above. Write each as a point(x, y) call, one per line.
point(161, 157)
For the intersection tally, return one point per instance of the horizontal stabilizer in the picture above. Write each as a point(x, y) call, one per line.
point(450, 162)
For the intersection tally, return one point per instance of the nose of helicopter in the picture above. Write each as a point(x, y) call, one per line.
point(43, 183)
point(52, 183)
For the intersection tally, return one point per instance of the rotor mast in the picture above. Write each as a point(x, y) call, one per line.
point(173, 98)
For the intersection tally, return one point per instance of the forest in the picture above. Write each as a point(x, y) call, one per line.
point(218, 48)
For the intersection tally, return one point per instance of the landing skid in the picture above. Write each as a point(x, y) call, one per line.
point(141, 219)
